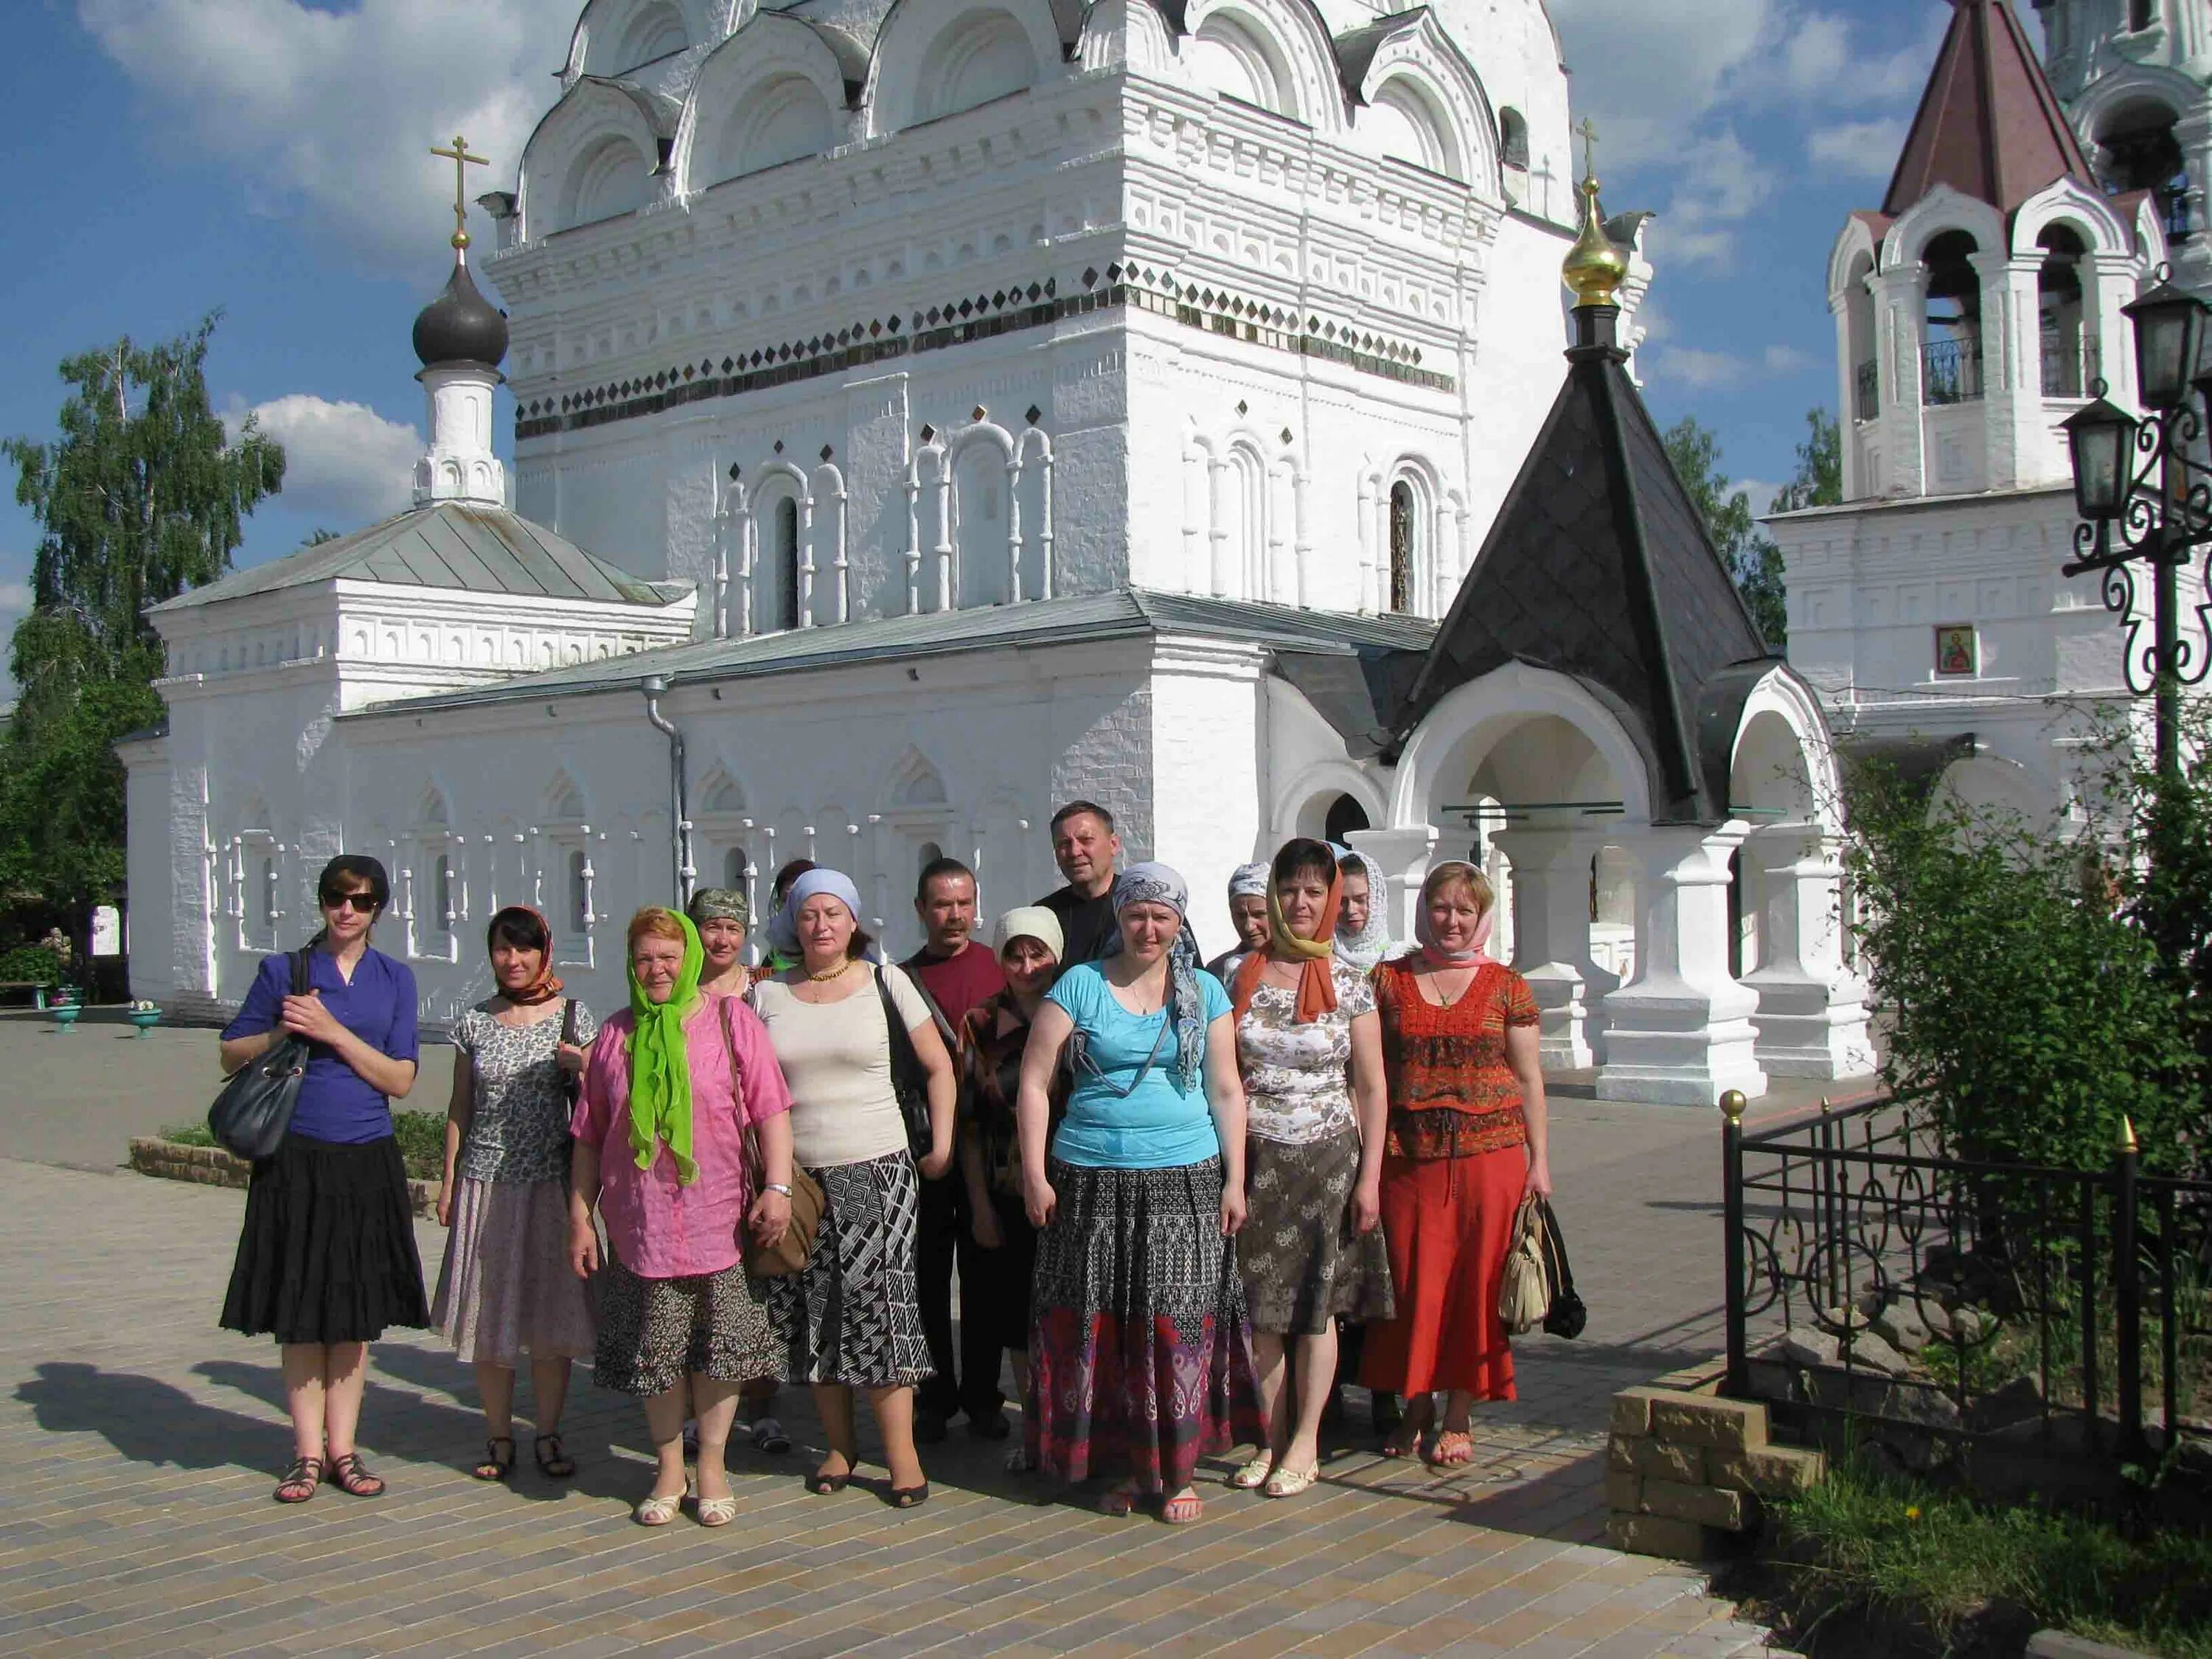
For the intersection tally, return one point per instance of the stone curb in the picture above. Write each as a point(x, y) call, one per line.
point(2057, 1644)
point(211, 1166)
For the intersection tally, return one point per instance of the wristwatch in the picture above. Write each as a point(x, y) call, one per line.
point(775, 1187)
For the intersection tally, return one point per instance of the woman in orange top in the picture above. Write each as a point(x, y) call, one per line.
point(1466, 1139)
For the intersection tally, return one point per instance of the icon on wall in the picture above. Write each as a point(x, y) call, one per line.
point(1956, 655)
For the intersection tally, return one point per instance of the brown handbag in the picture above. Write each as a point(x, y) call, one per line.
point(788, 1254)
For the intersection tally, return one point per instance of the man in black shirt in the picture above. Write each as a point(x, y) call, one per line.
point(1087, 848)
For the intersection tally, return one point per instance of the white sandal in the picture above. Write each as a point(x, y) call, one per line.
point(1289, 1483)
point(657, 1512)
point(1254, 1474)
point(718, 1511)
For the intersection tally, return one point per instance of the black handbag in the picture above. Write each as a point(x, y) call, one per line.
point(251, 1115)
point(909, 1078)
point(1567, 1316)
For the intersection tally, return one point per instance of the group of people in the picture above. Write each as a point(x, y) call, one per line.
point(1182, 1200)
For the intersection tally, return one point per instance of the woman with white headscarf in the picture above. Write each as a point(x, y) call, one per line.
point(1363, 920)
point(1140, 1358)
point(851, 1318)
point(1248, 914)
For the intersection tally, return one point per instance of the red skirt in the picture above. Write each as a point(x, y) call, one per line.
point(1447, 1222)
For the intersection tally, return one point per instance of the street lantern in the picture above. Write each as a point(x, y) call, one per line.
point(2169, 333)
point(2102, 437)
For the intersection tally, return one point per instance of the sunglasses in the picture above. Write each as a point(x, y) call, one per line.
point(364, 904)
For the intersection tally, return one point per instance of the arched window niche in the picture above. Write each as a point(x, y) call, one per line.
point(2069, 362)
point(2137, 151)
point(1951, 364)
point(1405, 548)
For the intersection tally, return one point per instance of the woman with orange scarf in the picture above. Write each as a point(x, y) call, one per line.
point(505, 1289)
point(1310, 1049)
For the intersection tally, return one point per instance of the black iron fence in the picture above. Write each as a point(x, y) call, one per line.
point(1951, 370)
point(1872, 1276)
point(1868, 390)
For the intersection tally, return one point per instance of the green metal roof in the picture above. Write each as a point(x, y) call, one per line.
point(477, 549)
point(1125, 613)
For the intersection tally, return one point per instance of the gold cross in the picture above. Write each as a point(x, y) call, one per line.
point(459, 156)
point(1588, 131)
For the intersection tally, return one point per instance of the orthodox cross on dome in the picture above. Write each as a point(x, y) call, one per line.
point(1587, 132)
point(462, 161)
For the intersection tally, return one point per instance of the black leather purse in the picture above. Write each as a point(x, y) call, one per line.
point(251, 1115)
point(1566, 1316)
point(909, 1078)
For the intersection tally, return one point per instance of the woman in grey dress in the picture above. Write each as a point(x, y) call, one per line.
point(505, 1289)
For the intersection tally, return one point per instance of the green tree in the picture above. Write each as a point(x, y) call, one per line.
point(141, 495)
point(1754, 562)
point(1820, 479)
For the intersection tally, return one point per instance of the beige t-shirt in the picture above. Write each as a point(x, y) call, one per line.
point(836, 1057)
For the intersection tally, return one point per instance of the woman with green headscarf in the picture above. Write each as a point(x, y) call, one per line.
point(673, 1083)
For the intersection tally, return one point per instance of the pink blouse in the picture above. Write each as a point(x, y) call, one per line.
point(656, 1228)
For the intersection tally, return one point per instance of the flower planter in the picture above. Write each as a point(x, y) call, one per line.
point(145, 1019)
point(64, 1015)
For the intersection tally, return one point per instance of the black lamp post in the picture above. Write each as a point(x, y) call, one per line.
point(2144, 500)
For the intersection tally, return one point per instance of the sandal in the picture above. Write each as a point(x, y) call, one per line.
point(1289, 1483)
point(1402, 1442)
point(651, 1512)
point(1116, 1501)
point(823, 1483)
point(553, 1461)
point(769, 1436)
point(718, 1511)
point(1182, 1510)
point(908, 1498)
point(1453, 1448)
point(301, 1480)
point(495, 1467)
point(351, 1476)
point(1254, 1473)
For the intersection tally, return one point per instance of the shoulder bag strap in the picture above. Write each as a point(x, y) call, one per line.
point(756, 1166)
point(568, 1021)
point(301, 982)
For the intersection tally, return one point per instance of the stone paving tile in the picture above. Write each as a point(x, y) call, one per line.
point(142, 1445)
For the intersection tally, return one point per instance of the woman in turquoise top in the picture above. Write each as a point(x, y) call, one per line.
point(1139, 1355)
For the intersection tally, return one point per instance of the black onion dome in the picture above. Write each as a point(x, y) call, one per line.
point(460, 325)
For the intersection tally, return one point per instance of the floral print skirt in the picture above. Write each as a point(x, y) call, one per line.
point(1303, 1263)
point(1140, 1358)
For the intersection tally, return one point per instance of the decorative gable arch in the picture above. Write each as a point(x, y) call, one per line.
point(1417, 72)
point(594, 156)
point(612, 37)
point(938, 58)
point(1941, 209)
point(1276, 54)
point(777, 90)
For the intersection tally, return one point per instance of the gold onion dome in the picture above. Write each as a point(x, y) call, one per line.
point(1595, 267)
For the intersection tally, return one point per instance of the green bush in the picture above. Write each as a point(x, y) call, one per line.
point(1862, 1543)
point(189, 1134)
point(421, 1137)
point(31, 963)
point(2030, 1013)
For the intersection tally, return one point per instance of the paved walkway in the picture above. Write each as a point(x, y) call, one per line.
point(139, 1443)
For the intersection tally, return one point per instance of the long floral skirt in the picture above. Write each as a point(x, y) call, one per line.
point(1303, 1266)
point(1140, 1358)
point(1447, 1221)
point(507, 1290)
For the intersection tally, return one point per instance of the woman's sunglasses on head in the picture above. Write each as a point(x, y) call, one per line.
point(363, 903)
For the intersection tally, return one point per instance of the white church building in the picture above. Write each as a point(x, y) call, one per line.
point(1975, 310)
point(930, 412)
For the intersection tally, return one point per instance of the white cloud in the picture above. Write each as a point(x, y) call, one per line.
point(334, 112)
point(1721, 184)
point(1649, 74)
point(1703, 370)
point(343, 459)
point(1786, 360)
point(1858, 149)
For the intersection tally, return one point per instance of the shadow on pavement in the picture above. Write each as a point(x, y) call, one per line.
point(149, 1421)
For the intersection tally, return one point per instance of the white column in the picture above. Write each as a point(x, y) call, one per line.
point(1812, 1014)
point(1552, 939)
point(1900, 306)
point(1404, 855)
point(1680, 1032)
point(1847, 395)
point(2012, 371)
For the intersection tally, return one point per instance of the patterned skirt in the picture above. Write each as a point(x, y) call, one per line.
point(506, 1288)
point(1141, 1358)
point(653, 1333)
point(853, 1315)
point(327, 1250)
point(1303, 1264)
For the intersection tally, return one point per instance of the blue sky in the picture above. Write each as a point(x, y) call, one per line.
point(267, 157)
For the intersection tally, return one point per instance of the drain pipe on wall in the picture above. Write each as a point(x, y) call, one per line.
point(655, 687)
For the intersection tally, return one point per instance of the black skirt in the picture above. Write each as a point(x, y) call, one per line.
point(327, 1252)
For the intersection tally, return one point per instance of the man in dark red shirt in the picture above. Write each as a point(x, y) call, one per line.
point(956, 974)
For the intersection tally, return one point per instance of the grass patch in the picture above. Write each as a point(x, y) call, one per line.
point(1867, 1550)
point(421, 1137)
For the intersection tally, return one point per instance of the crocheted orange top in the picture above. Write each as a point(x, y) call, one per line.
point(1452, 1095)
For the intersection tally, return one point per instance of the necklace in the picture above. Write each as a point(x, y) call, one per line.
point(838, 972)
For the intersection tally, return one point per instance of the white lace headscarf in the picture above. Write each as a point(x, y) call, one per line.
point(1364, 949)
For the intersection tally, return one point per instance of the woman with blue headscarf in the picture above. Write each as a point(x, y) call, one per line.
point(1140, 1358)
point(851, 1036)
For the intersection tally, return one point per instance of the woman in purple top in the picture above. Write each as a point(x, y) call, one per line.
point(326, 1257)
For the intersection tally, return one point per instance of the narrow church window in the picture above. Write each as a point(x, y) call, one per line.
point(2141, 14)
point(1512, 139)
point(441, 889)
point(1401, 549)
point(579, 896)
point(1345, 815)
point(2141, 153)
point(1952, 363)
point(734, 868)
point(786, 562)
point(266, 923)
point(931, 852)
point(2066, 351)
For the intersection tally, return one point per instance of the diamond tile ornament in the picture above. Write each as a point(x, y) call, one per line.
point(826, 451)
point(1032, 414)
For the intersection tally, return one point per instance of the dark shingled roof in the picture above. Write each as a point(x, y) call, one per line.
point(1989, 124)
point(480, 549)
point(1599, 566)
